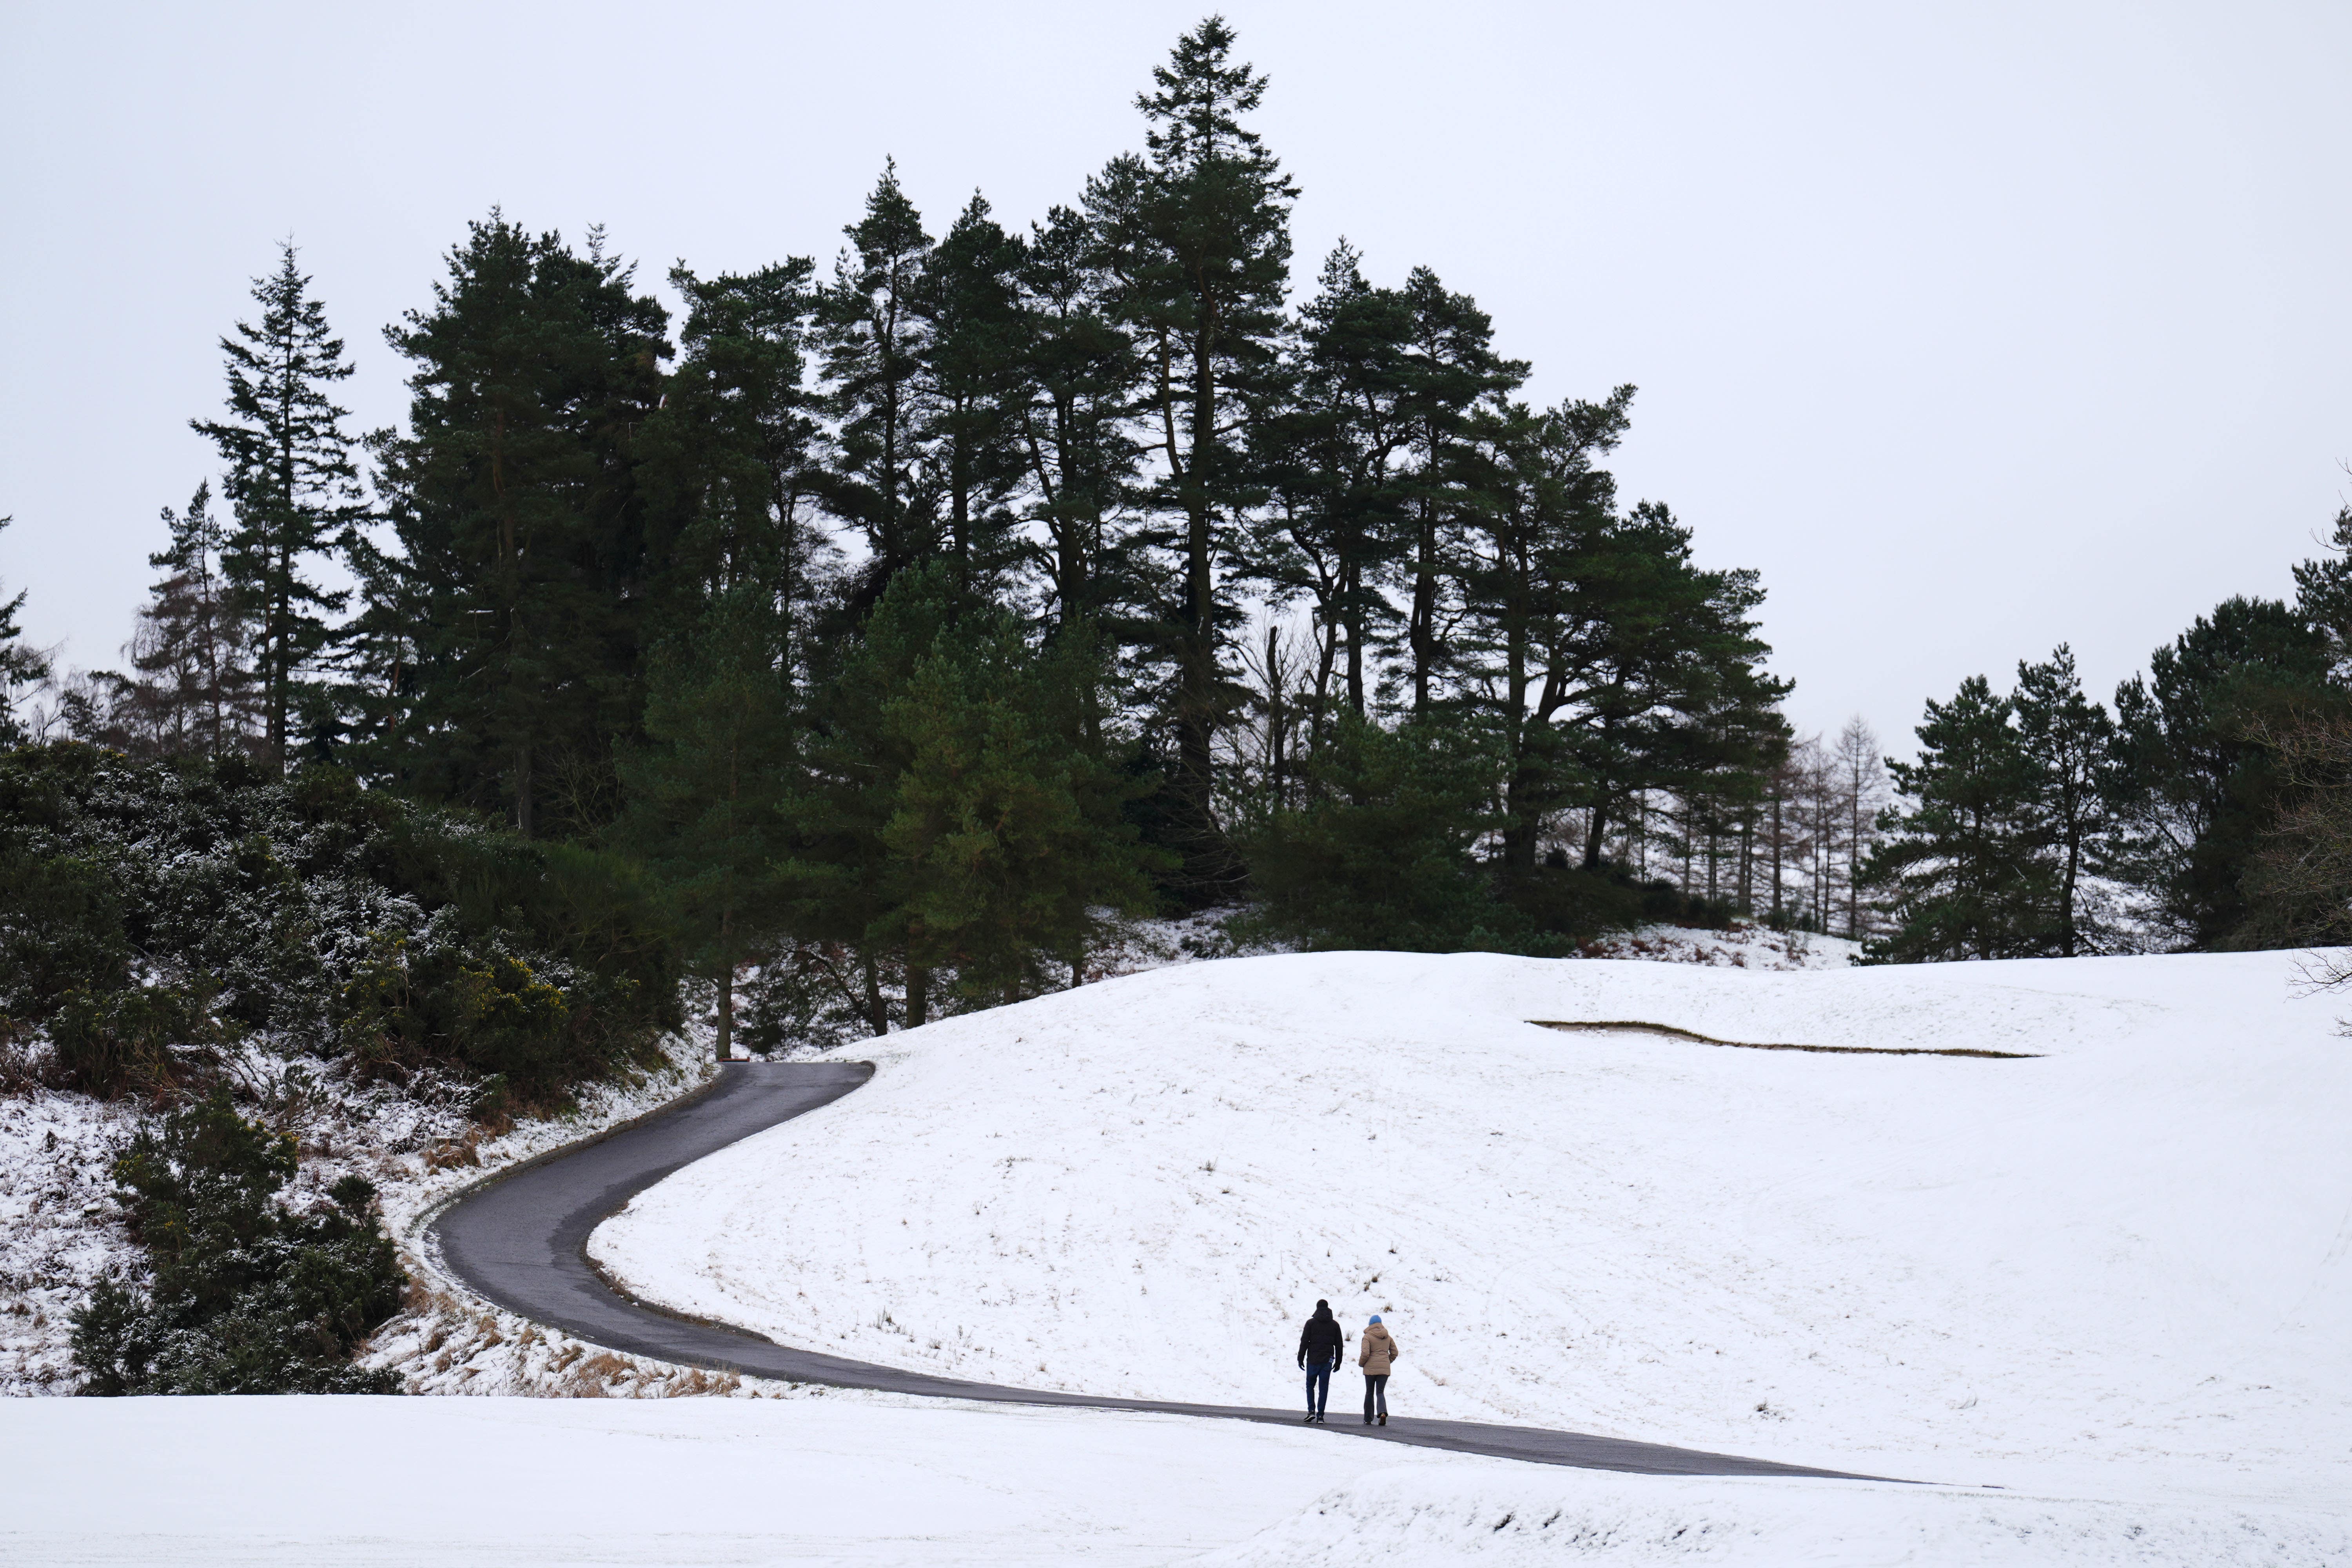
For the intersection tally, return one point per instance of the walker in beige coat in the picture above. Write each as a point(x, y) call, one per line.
point(1379, 1352)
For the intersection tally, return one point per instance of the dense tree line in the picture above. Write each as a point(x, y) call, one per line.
point(910, 619)
point(2203, 810)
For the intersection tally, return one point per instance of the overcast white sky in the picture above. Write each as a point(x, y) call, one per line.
point(1974, 327)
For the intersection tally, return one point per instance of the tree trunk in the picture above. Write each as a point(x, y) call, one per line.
point(727, 1014)
point(877, 1006)
point(523, 816)
point(919, 995)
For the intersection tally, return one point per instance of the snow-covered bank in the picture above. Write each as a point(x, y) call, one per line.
point(60, 1227)
point(2126, 1260)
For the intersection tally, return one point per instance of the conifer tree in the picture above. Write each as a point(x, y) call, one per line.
point(1964, 865)
point(970, 302)
point(1330, 455)
point(1079, 371)
point(1453, 369)
point(526, 562)
point(706, 785)
point(2195, 791)
point(19, 665)
point(876, 338)
point(194, 693)
point(2069, 743)
point(1005, 842)
point(1198, 233)
point(292, 480)
point(730, 461)
point(1531, 544)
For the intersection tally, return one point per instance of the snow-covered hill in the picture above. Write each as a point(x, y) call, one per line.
point(2116, 1260)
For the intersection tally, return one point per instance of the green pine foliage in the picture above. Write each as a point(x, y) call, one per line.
point(19, 665)
point(2196, 791)
point(1963, 864)
point(528, 559)
point(1196, 234)
point(292, 477)
point(243, 1295)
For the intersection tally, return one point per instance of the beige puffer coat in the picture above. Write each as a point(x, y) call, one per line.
point(1379, 1351)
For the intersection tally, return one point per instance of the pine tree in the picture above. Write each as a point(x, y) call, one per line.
point(706, 787)
point(1006, 842)
point(1330, 455)
point(1079, 371)
point(19, 665)
point(292, 480)
point(1197, 234)
point(876, 338)
point(729, 461)
point(2195, 792)
point(2069, 743)
point(969, 298)
point(1453, 369)
point(527, 567)
point(195, 691)
point(1964, 865)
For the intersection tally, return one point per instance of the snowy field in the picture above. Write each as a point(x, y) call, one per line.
point(2116, 1275)
point(861, 1479)
point(847, 1479)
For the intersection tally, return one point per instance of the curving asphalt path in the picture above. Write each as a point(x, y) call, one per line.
point(520, 1241)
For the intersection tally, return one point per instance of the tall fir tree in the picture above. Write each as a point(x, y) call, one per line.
point(526, 555)
point(1198, 232)
point(293, 481)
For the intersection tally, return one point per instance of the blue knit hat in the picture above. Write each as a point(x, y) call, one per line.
point(1376, 1317)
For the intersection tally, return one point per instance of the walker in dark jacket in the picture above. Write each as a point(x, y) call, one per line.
point(1319, 1344)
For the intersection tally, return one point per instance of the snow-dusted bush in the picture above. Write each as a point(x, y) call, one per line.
point(245, 1296)
point(153, 914)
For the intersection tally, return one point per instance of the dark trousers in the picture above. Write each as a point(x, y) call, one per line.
point(1318, 1388)
point(1376, 1390)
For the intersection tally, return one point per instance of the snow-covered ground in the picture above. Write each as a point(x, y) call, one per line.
point(475, 1482)
point(2118, 1274)
point(864, 1479)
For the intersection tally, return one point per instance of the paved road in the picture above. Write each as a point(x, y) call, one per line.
point(520, 1242)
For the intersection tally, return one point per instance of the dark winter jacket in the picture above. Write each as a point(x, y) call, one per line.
point(1322, 1339)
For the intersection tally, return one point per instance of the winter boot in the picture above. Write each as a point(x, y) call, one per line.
point(1384, 1417)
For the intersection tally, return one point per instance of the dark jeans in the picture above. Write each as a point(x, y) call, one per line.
point(1376, 1388)
point(1318, 1388)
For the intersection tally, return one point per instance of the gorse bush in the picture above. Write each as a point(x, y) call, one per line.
point(246, 1297)
point(150, 912)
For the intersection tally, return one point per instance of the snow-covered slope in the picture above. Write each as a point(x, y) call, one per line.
point(2125, 1261)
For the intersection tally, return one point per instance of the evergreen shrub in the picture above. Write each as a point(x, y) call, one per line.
point(157, 911)
point(246, 1296)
